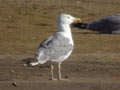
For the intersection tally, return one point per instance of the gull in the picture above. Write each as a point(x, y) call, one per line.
point(105, 25)
point(58, 47)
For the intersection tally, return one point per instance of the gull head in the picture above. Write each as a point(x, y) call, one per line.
point(67, 19)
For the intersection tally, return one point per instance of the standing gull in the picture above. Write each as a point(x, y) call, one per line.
point(105, 25)
point(57, 47)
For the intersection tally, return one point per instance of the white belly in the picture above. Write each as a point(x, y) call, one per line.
point(62, 58)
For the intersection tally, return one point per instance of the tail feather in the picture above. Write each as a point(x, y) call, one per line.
point(80, 25)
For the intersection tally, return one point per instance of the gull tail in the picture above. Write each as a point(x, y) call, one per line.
point(30, 61)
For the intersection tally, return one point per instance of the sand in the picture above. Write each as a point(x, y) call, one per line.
point(94, 63)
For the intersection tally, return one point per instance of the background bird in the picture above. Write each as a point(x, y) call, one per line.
point(105, 25)
point(58, 47)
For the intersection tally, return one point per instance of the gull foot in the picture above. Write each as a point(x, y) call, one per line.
point(64, 79)
point(54, 79)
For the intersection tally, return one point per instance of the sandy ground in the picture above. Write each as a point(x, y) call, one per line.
point(82, 74)
point(94, 63)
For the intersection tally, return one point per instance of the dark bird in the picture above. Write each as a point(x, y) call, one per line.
point(105, 25)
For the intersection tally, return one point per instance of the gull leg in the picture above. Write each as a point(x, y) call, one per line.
point(59, 73)
point(52, 76)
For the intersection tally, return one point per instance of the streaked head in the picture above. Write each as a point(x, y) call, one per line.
point(67, 19)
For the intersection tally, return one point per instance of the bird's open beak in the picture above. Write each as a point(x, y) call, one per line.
point(76, 20)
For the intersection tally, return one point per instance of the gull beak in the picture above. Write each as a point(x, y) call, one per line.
point(76, 20)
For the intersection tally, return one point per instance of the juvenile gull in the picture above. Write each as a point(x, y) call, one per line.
point(57, 47)
point(105, 25)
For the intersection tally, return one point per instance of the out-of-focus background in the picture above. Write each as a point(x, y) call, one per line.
point(24, 24)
